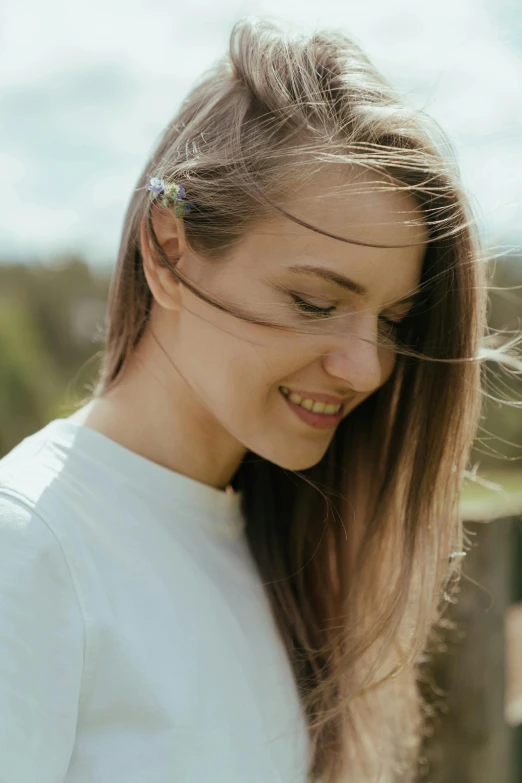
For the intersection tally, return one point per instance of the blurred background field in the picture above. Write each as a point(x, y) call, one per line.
point(499, 495)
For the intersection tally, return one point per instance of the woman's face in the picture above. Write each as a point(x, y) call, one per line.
point(241, 374)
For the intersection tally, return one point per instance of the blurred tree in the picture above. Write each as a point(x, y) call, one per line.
point(51, 327)
point(29, 376)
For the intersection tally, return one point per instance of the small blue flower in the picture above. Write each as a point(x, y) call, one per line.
point(181, 193)
point(156, 185)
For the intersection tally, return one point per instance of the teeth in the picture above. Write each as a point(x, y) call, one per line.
point(311, 405)
point(332, 408)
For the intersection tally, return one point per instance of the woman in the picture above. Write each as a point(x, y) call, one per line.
point(234, 553)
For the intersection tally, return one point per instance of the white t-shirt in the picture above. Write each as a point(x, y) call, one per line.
point(137, 643)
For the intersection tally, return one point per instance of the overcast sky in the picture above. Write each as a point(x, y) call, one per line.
point(87, 87)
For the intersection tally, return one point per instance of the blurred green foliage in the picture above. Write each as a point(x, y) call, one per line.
point(51, 334)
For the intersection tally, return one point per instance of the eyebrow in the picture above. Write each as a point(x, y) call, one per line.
point(344, 282)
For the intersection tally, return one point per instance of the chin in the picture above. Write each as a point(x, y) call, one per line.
point(298, 461)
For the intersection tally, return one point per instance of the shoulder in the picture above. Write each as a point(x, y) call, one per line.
point(31, 466)
point(31, 556)
point(42, 646)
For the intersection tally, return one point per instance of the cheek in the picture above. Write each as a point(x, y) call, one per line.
point(237, 366)
point(233, 372)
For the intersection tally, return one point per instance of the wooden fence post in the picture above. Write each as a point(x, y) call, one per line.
point(472, 742)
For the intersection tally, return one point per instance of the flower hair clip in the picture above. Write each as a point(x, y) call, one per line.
point(174, 196)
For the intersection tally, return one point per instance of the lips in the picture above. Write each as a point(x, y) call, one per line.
point(318, 396)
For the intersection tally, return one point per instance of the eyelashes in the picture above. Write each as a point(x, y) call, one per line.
point(324, 312)
point(311, 309)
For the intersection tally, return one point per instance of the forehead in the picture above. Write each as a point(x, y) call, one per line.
point(361, 207)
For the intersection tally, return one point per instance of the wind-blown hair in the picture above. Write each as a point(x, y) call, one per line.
point(358, 552)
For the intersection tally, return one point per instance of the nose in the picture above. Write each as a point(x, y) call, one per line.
point(355, 358)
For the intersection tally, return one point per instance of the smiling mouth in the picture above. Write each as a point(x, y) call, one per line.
point(314, 419)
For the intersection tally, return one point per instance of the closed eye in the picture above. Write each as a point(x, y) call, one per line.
point(311, 309)
point(323, 312)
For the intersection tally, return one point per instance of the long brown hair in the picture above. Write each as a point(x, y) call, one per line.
point(357, 552)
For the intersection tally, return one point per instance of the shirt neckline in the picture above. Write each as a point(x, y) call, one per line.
point(218, 510)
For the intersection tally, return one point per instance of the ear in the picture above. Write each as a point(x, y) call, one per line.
point(170, 233)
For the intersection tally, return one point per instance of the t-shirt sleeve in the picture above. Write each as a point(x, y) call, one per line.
point(41, 649)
